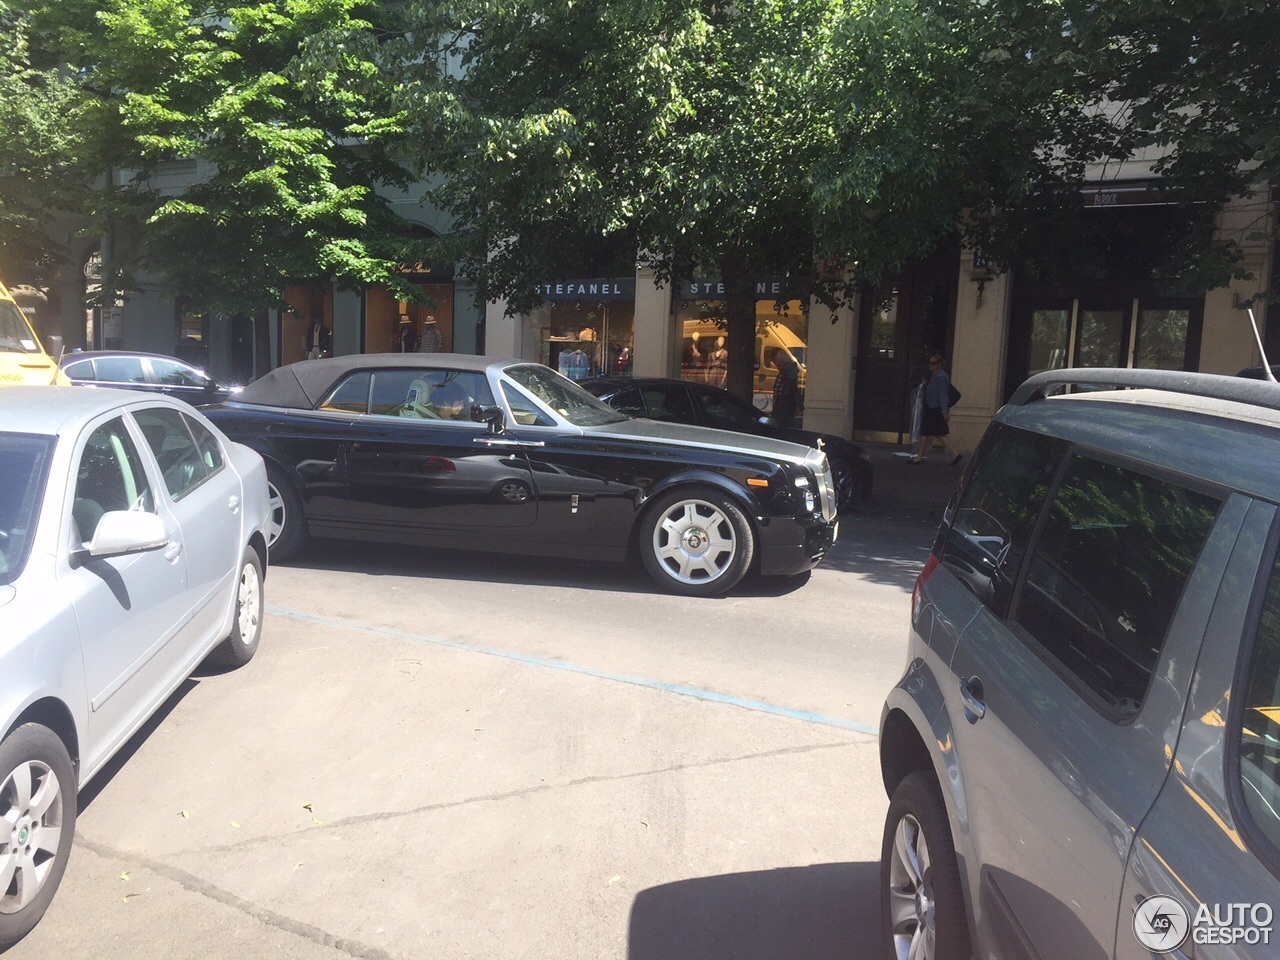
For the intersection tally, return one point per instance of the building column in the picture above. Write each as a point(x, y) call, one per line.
point(656, 346)
point(466, 317)
point(828, 392)
point(977, 364)
point(348, 322)
point(512, 336)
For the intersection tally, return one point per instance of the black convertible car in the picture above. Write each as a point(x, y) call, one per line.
point(679, 401)
point(510, 456)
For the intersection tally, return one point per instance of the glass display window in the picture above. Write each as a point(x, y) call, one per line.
point(585, 339)
point(405, 326)
point(306, 323)
point(782, 328)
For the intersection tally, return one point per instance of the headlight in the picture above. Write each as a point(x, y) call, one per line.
point(810, 501)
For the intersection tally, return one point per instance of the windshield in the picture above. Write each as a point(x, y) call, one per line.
point(564, 396)
point(801, 354)
point(15, 335)
point(24, 463)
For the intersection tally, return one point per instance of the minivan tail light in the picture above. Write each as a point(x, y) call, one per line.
point(930, 565)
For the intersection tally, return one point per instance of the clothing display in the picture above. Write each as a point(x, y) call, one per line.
point(431, 340)
point(575, 364)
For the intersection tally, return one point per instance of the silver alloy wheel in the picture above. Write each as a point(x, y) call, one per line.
point(694, 541)
point(278, 514)
point(911, 905)
point(31, 799)
point(249, 605)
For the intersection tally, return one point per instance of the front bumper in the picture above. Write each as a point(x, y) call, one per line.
point(791, 545)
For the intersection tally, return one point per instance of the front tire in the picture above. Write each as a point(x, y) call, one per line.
point(38, 807)
point(697, 542)
point(921, 898)
point(287, 527)
point(246, 627)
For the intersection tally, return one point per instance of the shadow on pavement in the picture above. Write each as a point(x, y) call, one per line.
point(894, 561)
point(821, 912)
point(380, 559)
point(133, 744)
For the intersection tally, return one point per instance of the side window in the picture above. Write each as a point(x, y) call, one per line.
point(120, 369)
point(718, 410)
point(668, 403)
point(175, 374)
point(1107, 573)
point(997, 512)
point(428, 394)
point(1260, 735)
point(524, 410)
point(350, 396)
point(629, 402)
point(80, 370)
point(181, 462)
point(110, 476)
point(206, 443)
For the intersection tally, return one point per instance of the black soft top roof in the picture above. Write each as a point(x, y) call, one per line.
point(302, 385)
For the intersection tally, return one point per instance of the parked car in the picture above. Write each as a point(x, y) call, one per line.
point(509, 456)
point(23, 358)
point(150, 372)
point(132, 547)
point(1083, 756)
point(679, 401)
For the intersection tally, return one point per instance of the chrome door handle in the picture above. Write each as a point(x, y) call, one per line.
point(971, 694)
point(173, 551)
point(504, 442)
point(234, 503)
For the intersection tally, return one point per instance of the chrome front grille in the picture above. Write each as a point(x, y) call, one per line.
point(821, 467)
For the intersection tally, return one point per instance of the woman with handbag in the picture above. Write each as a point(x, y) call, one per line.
point(939, 398)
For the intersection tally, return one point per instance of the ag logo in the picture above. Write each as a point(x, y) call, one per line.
point(1161, 924)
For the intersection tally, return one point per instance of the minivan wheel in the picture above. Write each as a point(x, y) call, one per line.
point(696, 542)
point(246, 626)
point(922, 900)
point(37, 824)
point(287, 527)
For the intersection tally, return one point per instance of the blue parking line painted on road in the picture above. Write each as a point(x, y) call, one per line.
point(681, 690)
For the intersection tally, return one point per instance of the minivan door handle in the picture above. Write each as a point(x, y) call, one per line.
point(972, 694)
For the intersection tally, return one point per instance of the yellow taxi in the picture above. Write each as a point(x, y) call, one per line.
point(22, 357)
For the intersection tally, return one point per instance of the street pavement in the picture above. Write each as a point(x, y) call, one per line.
point(442, 755)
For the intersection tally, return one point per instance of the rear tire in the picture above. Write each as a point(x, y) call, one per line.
point(287, 527)
point(246, 627)
point(921, 896)
point(696, 542)
point(38, 804)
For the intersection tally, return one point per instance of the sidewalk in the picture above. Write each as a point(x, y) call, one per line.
point(906, 490)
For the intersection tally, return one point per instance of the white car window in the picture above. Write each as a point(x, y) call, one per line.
point(110, 476)
point(182, 463)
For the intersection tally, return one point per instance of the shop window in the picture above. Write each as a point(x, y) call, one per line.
point(1162, 339)
point(408, 326)
point(1050, 340)
point(1100, 343)
point(586, 339)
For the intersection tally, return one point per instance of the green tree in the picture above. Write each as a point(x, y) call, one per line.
point(281, 105)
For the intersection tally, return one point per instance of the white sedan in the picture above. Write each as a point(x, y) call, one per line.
point(132, 547)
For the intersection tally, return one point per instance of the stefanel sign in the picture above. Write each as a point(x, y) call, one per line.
point(710, 288)
point(600, 288)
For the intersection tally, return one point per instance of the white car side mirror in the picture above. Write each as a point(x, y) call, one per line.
point(127, 531)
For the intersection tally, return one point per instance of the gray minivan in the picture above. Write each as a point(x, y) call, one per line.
point(1083, 756)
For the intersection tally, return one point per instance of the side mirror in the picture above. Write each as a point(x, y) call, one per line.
point(491, 414)
point(127, 531)
point(55, 348)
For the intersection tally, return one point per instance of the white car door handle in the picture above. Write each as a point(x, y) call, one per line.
point(173, 551)
point(234, 503)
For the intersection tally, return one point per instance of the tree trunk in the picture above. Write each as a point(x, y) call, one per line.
point(740, 312)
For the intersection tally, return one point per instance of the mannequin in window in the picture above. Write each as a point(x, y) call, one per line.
point(719, 364)
point(693, 359)
point(575, 364)
point(431, 339)
point(406, 336)
point(319, 340)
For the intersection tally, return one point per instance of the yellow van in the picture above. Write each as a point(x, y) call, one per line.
point(700, 343)
point(22, 357)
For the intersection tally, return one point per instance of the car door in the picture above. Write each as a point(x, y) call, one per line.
point(122, 372)
point(668, 401)
point(417, 463)
point(1212, 840)
point(1065, 698)
point(129, 608)
point(204, 497)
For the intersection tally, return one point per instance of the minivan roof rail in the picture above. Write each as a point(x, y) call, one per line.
point(1258, 393)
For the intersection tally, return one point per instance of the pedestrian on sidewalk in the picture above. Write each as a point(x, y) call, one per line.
point(786, 388)
point(935, 421)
